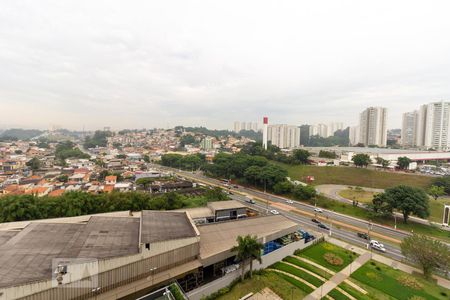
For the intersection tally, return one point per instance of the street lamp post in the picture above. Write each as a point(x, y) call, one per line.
point(395, 221)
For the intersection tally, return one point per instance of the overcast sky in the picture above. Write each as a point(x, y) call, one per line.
point(136, 64)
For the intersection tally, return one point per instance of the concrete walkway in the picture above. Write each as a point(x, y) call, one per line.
point(338, 278)
point(319, 277)
point(350, 283)
point(387, 261)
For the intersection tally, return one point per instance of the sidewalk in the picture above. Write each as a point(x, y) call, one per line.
point(387, 261)
point(338, 278)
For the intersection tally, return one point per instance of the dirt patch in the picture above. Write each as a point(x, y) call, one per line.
point(410, 282)
point(333, 259)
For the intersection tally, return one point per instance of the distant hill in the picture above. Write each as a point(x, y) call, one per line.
point(20, 134)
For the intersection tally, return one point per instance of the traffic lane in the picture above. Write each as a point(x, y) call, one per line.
point(348, 220)
point(345, 219)
point(345, 235)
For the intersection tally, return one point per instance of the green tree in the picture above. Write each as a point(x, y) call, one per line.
point(283, 187)
point(145, 182)
point(408, 200)
point(403, 162)
point(327, 154)
point(427, 252)
point(383, 162)
point(34, 164)
point(443, 181)
point(304, 192)
point(301, 156)
point(247, 249)
point(63, 178)
point(361, 160)
point(380, 205)
point(436, 191)
point(272, 174)
point(146, 158)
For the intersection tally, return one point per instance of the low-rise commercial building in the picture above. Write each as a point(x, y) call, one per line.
point(117, 255)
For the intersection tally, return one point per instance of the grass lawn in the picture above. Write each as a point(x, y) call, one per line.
point(398, 284)
point(317, 254)
point(360, 196)
point(304, 265)
point(437, 209)
point(283, 287)
point(356, 176)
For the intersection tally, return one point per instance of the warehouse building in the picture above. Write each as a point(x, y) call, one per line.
point(123, 255)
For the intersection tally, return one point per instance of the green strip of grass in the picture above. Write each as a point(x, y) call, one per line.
point(388, 280)
point(353, 292)
point(317, 253)
point(308, 267)
point(299, 273)
point(356, 176)
point(336, 295)
point(282, 285)
point(295, 282)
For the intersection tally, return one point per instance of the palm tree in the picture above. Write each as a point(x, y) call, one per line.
point(248, 249)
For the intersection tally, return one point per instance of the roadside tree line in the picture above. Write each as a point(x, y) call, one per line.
point(69, 204)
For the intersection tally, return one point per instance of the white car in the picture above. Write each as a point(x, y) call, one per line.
point(378, 247)
point(274, 212)
point(318, 209)
point(376, 244)
point(289, 202)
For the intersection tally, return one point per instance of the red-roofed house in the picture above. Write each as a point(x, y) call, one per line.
point(110, 180)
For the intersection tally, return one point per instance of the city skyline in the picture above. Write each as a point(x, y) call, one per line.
point(150, 65)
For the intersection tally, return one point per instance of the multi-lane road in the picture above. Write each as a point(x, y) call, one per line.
point(342, 226)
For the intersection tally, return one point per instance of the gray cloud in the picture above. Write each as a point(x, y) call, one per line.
point(158, 63)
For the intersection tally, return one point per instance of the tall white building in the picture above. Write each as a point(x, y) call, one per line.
point(333, 127)
point(237, 127)
point(409, 128)
point(324, 130)
point(284, 136)
point(319, 129)
point(433, 126)
point(353, 135)
point(373, 126)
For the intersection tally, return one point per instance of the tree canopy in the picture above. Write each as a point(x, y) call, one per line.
point(427, 252)
point(443, 181)
point(406, 199)
point(403, 162)
point(69, 204)
point(436, 191)
point(361, 160)
point(34, 164)
point(247, 249)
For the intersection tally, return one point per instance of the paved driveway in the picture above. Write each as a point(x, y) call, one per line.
point(332, 191)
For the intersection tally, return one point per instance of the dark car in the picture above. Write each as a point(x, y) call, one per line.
point(235, 186)
point(315, 221)
point(363, 236)
point(323, 226)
